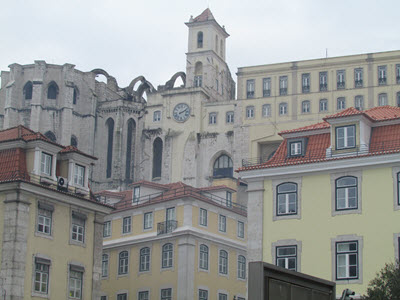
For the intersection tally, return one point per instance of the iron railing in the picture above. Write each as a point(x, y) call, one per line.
point(166, 227)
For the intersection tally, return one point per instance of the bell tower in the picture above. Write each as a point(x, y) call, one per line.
point(206, 66)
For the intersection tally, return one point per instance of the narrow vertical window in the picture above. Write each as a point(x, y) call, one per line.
point(250, 88)
point(167, 255)
point(323, 105)
point(223, 262)
point(104, 265)
point(347, 260)
point(157, 157)
point(123, 263)
point(341, 103)
point(398, 73)
point(382, 71)
point(200, 39)
point(323, 81)
point(266, 110)
point(359, 102)
point(52, 91)
point(212, 118)
point(75, 283)
point(240, 229)
point(107, 229)
point(130, 149)
point(28, 89)
point(44, 219)
point(286, 199)
point(222, 223)
point(358, 77)
point(203, 263)
point(198, 74)
point(75, 96)
point(398, 99)
point(382, 99)
point(305, 80)
point(203, 295)
point(79, 175)
point(283, 85)
point(230, 117)
point(148, 220)
point(228, 199)
point(127, 224)
point(241, 269)
point(266, 87)
point(305, 107)
point(144, 263)
point(136, 194)
point(341, 79)
point(283, 109)
point(166, 294)
point(250, 112)
point(46, 164)
point(110, 132)
point(41, 283)
point(203, 217)
point(78, 228)
point(346, 193)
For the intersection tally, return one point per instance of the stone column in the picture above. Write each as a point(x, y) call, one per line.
point(97, 255)
point(15, 234)
point(186, 266)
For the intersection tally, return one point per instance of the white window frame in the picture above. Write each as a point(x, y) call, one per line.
point(306, 107)
point(136, 194)
point(323, 81)
point(305, 82)
point(250, 88)
point(126, 224)
point(283, 110)
point(359, 102)
point(349, 138)
point(346, 189)
point(123, 263)
point(240, 229)
point(288, 243)
point(105, 263)
point(296, 148)
point(283, 85)
point(203, 217)
point(223, 262)
point(46, 163)
point(204, 257)
point(144, 259)
point(222, 223)
point(286, 258)
point(341, 103)
point(230, 117)
point(241, 267)
point(341, 79)
point(78, 229)
point(43, 270)
point(267, 87)
point(382, 75)
point(212, 118)
point(358, 77)
point(44, 221)
point(167, 256)
point(228, 199)
point(266, 110)
point(198, 80)
point(323, 105)
point(275, 184)
point(106, 229)
point(157, 116)
point(166, 294)
point(382, 99)
point(143, 295)
point(75, 285)
point(79, 175)
point(283, 198)
point(346, 256)
point(203, 294)
point(250, 112)
point(148, 220)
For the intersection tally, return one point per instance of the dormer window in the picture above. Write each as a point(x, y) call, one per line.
point(296, 147)
point(79, 175)
point(345, 137)
point(46, 163)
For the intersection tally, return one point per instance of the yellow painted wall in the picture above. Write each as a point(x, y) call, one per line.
point(317, 226)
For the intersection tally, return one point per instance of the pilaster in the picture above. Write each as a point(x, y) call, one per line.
point(186, 267)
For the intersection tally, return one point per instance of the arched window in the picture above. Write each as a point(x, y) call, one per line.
point(198, 74)
point(28, 88)
point(130, 148)
point(104, 265)
point(110, 130)
point(223, 167)
point(382, 99)
point(286, 199)
point(167, 254)
point(74, 141)
point(157, 157)
point(223, 262)
point(76, 95)
point(52, 90)
point(123, 263)
point(305, 107)
point(200, 39)
point(346, 193)
point(144, 264)
point(241, 267)
point(203, 261)
point(51, 136)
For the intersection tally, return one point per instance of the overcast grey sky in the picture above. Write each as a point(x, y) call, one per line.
point(132, 38)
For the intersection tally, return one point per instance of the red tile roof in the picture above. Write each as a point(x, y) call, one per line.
point(204, 16)
point(23, 133)
point(13, 165)
point(69, 149)
point(321, 125)
point(383, 113)
point(351, 111)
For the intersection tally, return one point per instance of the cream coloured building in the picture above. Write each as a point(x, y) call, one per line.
point(173, 241)
point(50, 225)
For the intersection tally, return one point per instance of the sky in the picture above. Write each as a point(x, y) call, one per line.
point(149, 38)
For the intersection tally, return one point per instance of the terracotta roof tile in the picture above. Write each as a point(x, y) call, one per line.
point(383, 113)
point(204, 16)
point(321, 125)
point(351, 111)
point(13, 165)
point(69, 149)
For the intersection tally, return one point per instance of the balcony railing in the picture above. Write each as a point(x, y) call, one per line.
point(283, 91)
point(254, 161)
point(382, 81)
point(250, 94)
point(341, 85)
point(166, 227)
point(323, 87)
point(358, 83)
point(306, 88)
point(266, 93)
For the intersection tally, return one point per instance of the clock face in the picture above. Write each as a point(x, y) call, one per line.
point(181, 112)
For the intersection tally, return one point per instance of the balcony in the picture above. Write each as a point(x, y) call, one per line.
point(341, 85)
point(306, 88)
point(382, 81)
point(266, 93)
point(250, 94)
point(323, 87)
point(283, 91)
point(358, 83)
point(166, 227)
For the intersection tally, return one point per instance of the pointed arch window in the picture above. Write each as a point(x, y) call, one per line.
point(51, 136)
point(75, 96)
point(130, 149)
point(223, 166)
point(52, 91)
point(28, 88)
point(200, 39)
point(157, 157)
point(74, 141)
point(110, 130)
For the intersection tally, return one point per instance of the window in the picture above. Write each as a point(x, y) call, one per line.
point(46, 164)
point(198, 72)
point(347, 260)
point(398, 73)
point(74, 141)
point(286, 257)
point(136, 194)
point(75, 283)
point(223, 166)
point(79, 175)
point(212, 118)
point(166, 294)
point(107, 229)
point(323, 81)
point(228, 199)
point(359, 102)
point(305, 107)
point(283, 84)
point(144, 295)
point(341, 103)
point(78, 227)
point(157, 157)
point(250, 112)
point(283, 109)
point(287, 199)
point(266, 87)
point(203, 217)
point(148, 220)
point(52, 91)
point(75, 96)
point(110, 132)
point(222, 296)
point(230, 117)
point(398, 99)
point(126, 225)
point(144, 259)
point(296, 148)
point(216, 84)
point(305, 82)
point(341, 79)
point(203, 295)
point(345, 137)
point(250, 88)
point(266, 110)
point(28, 88)
point(241, 269)
point(123, 296)
point(200, 39)
point(382, 99)
point(223, 262)
point(198, 80)
point(123, 263)
point(103, 298)
point(323, 105)
point(167, 254)
point(240, 229)
point(44, 218)
point(382, 75)
point(203, 263)
point(104, 265)
point(157, 116)
point(222, 223)
point(358, 77)
point(346, 193)
point(41, 284)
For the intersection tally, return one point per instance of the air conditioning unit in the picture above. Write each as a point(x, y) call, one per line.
point(62, 183)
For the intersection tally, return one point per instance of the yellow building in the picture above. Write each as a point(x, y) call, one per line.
point(327, 203)
point(50, 226)
point(282, 96)
point(173, 241)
